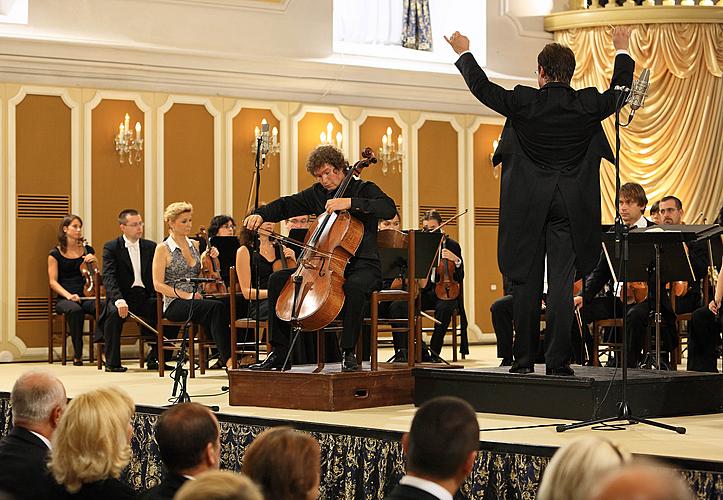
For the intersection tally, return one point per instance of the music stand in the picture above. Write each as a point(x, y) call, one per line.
point(298, 234)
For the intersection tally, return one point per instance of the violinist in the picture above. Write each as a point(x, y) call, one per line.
point(704, 332)
point(128, 262)
point(221, 232)
point(297, 227)
point(364, 201)
point(655, 212)
point(66, 279)
point(268, 257)
point(176, 258)
point(599, 297)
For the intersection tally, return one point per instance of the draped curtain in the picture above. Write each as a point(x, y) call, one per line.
point(416, 25)
point(674, 145)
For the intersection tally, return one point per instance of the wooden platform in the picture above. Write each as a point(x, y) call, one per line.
point(329, 390)
point(592, 393)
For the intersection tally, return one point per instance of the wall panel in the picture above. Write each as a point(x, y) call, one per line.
point(310, 127)
point(370, 134)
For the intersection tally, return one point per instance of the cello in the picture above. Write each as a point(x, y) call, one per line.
point(313, 297)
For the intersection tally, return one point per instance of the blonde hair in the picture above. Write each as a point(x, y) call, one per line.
point(576, 468)
point(219, 485)
point(175, 209)
point(91, 442)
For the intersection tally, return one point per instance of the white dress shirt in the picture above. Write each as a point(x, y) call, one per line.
point(430, 487)
point(134, 252)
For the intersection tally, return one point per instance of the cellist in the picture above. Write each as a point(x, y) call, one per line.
point(366, 202)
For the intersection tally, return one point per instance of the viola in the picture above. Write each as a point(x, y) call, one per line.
point(210, 268)
point(313, 296)
point(93, 280)
point(446, 287)
point(281, 262)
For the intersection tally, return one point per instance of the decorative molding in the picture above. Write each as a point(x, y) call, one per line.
point(283, 151)
point(11, 239)
point(148, 191)
point(639, 14)
point(505, 12)
point(296, 118)
point(269, 6)
point(217, 165)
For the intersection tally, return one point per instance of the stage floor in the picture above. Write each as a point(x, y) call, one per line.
point(703, 440)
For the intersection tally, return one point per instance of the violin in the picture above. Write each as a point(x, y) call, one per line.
point(93, 279)
point(314, 296)
point(281, 262)
point(446, 288)
point(210, 268)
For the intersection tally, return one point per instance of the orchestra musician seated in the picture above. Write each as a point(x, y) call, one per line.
point(366, 203)
point(177, 260)
point(70, 266)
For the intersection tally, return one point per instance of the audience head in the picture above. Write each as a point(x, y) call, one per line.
point(219, 485)
point(179, 217)
point(285, 463)
point(131, 224)
point(38, 401)
point(632, 202)
point(555, 63)
point(642, 481)
point(565, 477)
point(71, 226)
point(298, 222)
point(392, 223)
point(189, 439)
point(655, 212)
point(92, 441)
point(671, 210)
point(431, 220)
point(221, 225)
point(442, 444)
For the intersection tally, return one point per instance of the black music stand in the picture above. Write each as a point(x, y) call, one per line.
point(226, 246)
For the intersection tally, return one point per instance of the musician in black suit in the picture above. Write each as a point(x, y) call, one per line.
point(128, 280)
point(551, 148)
point(441, 448)
point(38, 400)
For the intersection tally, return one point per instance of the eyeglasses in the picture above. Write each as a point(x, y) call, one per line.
point(229, 226)
point(135, 224)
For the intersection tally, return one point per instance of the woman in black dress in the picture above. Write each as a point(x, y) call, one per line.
point(66, 279)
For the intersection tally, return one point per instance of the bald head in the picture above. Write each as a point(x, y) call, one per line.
point(643, 482)
point(38, 398)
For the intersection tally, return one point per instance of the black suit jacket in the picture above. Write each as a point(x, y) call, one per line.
point(405, 492)
point(118, 274)
point(23, 468)
point(107, 489)
point(166, 490)
point(552, 140)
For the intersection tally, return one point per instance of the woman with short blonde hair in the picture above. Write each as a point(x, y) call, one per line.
point(219, 485)
point(577, 467)
point(91, 445)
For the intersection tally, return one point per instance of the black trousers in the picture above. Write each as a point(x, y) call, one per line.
point(443, 310)
point(704, 337)
point(501, 311)
point(74, 316)
point(211, 314)
point(140, 304)
point(556, 243)
point(362, 277)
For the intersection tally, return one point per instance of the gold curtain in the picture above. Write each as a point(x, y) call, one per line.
point(674, 146)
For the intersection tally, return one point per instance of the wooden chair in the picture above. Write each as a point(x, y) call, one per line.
point(164, 344)
point(682, 319)
point(243, 324)
point(454, 328)
point(597, 341)
point(63, 332)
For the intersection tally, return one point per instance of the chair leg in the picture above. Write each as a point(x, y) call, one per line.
point(91, 325)
point(192, 351)
point(99, 362)
point(161, 352)
point(202, 350)
point(373, 341)
point(320, 351)
point(64, 346)
point(454, 336)
point(595, 345)
point(234, 340)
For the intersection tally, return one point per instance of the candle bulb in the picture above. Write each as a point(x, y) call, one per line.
point(389, 134)
point(121, 131)
point(127, 123)
point(384, 144)
point(338, 139)
point(274, 135)
point(263, 121)
point(256, 131)
point(329, 130)
point(399, 142)
point(322, 137)
point(138, 130)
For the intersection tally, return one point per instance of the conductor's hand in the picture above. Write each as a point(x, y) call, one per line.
point(253, 221)
point(458, 41)
point(621, 37)
point(336, 204)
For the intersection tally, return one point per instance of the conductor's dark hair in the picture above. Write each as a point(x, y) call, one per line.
point(635, 192)
point(444, 432)
point(678, 203)
point(182, 433)
point(432, 215)
point(558, 62)
point(217, 222)
point(323, 155)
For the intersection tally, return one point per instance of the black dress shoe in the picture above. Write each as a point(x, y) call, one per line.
point(515, 368)
point(117, 369)
point(349, 363)
point(153, 365)
point(506, 362)
point(77, 362)
point(563, 370)
point(274, 361)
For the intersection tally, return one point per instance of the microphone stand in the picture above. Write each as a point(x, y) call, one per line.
point(621, 245)
point(180, 374)
point(258, 165)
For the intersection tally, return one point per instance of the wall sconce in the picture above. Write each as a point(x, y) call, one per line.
point(328, 136)
point(126, 144)
point(495, 168)
point(391, 153)
point(274, 146)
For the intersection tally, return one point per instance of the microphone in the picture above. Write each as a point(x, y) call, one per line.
point(639, 91)
point(196, 280)
point(264, 139)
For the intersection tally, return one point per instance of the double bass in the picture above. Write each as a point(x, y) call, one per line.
point(313, 297)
